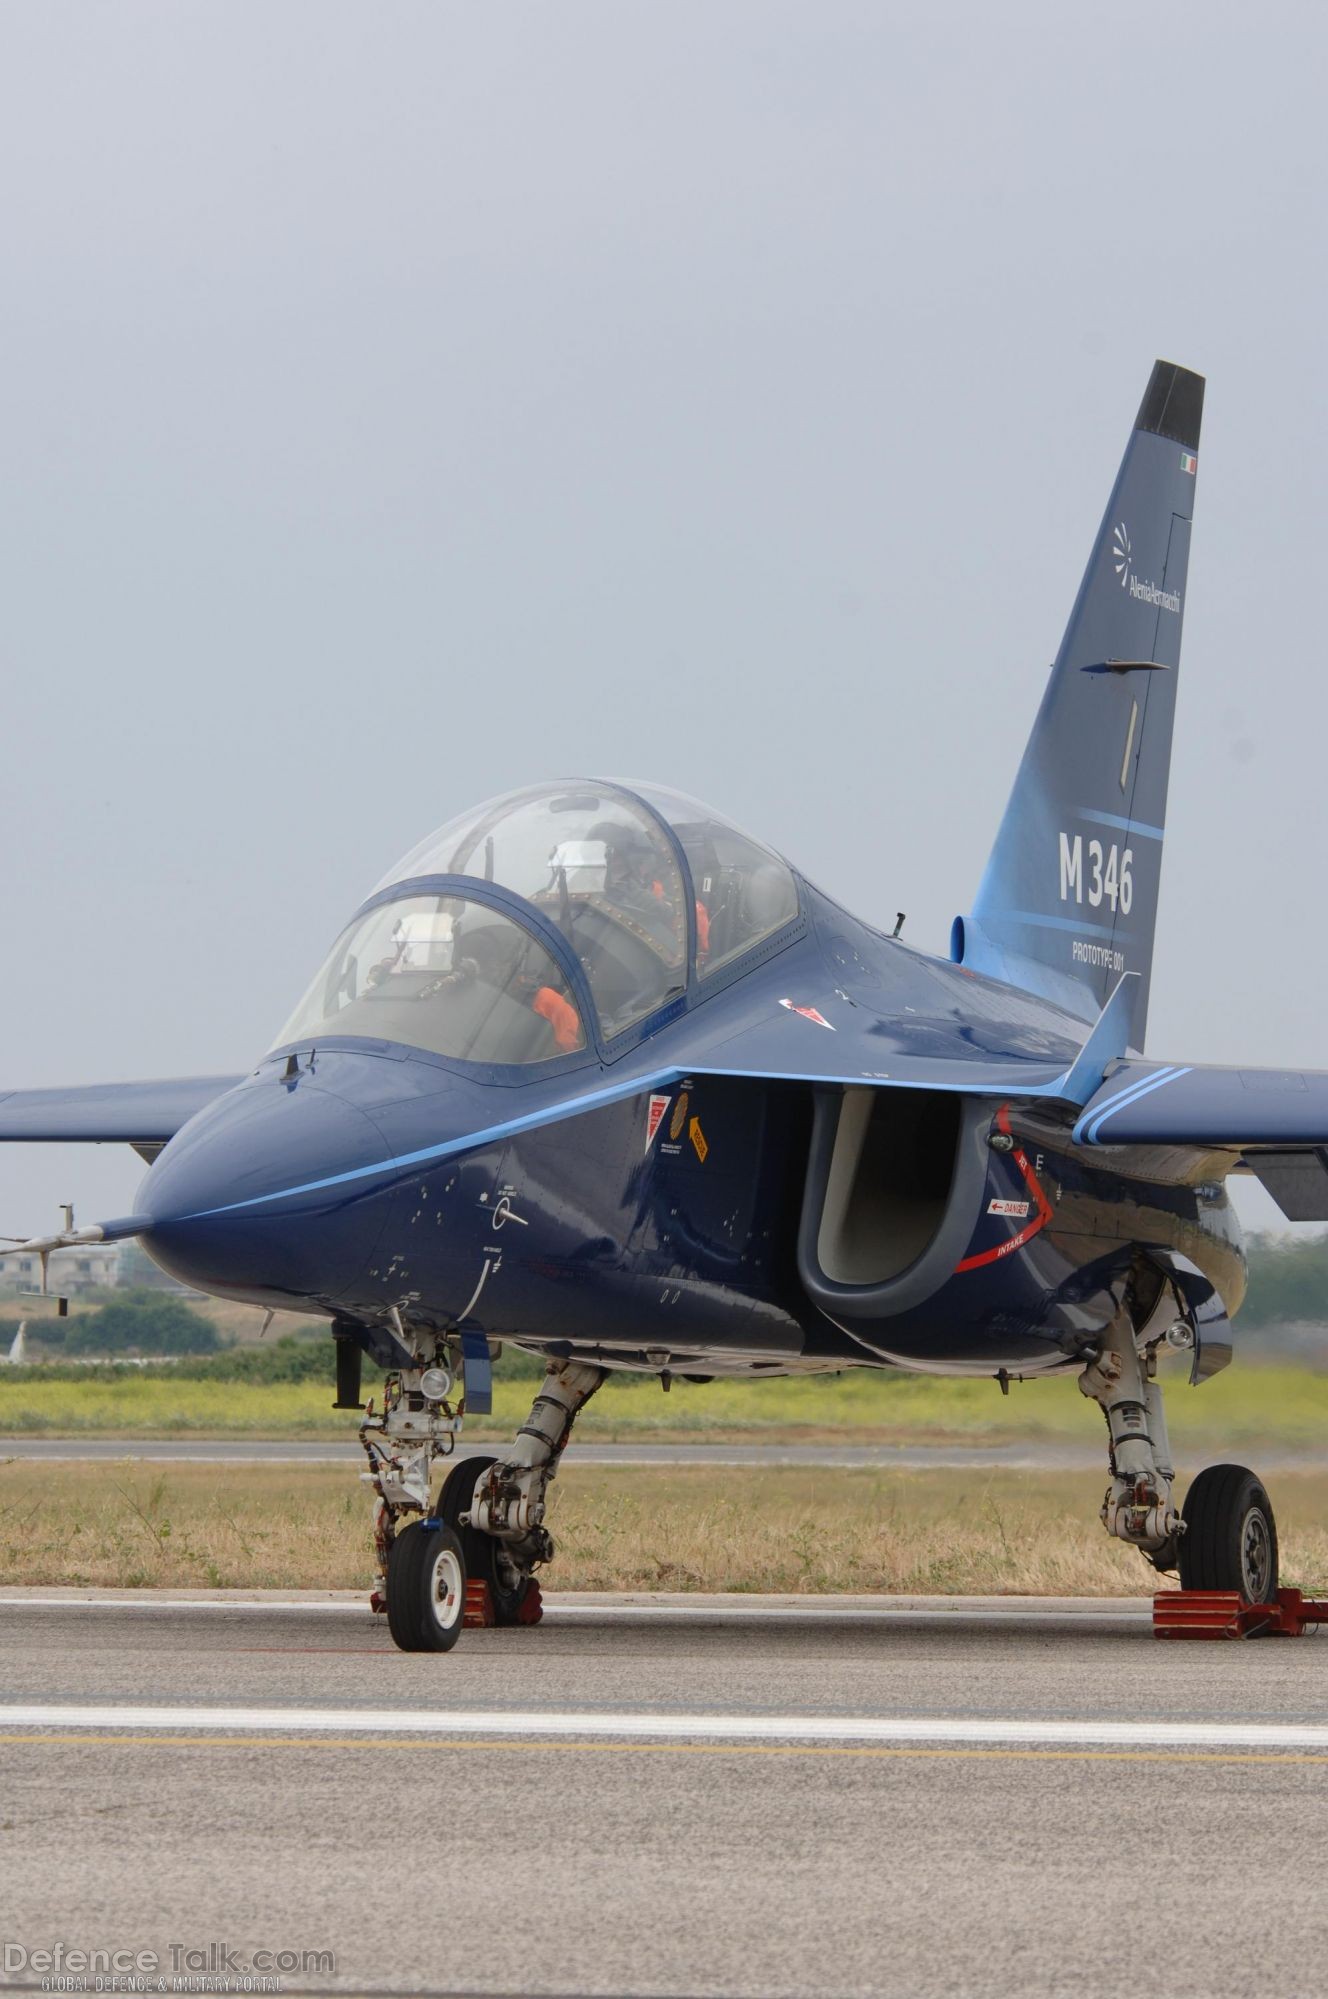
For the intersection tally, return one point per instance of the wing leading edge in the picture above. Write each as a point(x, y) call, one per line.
point(1275, 1119)
point(138, 1114)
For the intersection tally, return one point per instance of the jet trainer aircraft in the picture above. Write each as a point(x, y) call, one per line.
point(596, 1073)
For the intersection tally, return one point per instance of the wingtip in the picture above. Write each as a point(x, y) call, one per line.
point(1173, 404)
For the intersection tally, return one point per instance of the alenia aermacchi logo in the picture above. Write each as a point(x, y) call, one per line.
point(1120, 556)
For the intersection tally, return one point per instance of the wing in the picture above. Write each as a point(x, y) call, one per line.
point(963, 1033)
point(1275, 1119)
point(144, 1115)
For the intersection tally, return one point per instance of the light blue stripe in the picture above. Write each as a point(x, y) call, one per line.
point(1063, 923)
point(1128, 1098)
point(1090, 1116)
point(550, 1115)
point(554, 1113)
point(1125, 1097)
point(866, 1079)
point(1167, 1076)
point(1125, 825)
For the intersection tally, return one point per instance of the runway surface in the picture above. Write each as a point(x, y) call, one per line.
point(668, 1796)
point(1027, 1455)
point(244, 1450)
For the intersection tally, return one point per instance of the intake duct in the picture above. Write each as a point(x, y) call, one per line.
point(895, 1183)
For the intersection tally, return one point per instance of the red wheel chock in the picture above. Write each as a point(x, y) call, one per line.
point(531, 1607)
point(1197, 1613)
point(479, 1606)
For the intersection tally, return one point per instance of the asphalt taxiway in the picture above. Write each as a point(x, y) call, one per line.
point(668, 1796)
point(245, 1450)
point(1027, 1455)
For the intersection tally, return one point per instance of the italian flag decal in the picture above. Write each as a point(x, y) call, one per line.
point(1188, 462)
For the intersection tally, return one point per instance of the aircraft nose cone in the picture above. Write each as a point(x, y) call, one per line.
point(270, 1194)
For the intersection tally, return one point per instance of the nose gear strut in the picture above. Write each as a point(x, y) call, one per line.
point(416, 1426)
point(489, 1522)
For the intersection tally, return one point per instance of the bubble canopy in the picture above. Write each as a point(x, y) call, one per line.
point(443, 973)
point(634, 879)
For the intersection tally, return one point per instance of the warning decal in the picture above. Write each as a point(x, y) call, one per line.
point(808, 1013)
point(655, 1116)
point(1030, 1228)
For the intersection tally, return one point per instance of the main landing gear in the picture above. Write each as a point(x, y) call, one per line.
point(1225, 1538)
point(1230, 1538)
point(487, 1527)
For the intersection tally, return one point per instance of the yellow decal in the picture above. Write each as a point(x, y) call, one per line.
point(698, 1140)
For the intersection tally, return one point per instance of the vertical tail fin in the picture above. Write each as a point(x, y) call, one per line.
point(1069, 898)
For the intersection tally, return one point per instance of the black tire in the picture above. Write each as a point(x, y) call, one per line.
point(1230, 1538)
point(426, 1588)
point(482, 1552)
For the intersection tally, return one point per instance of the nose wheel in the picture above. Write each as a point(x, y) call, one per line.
point(426, 1587)
point(1230, 1538)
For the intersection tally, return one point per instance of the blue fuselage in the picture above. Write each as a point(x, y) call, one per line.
point(660, 1205)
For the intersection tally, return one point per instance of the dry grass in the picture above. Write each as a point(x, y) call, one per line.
point(932, 1532)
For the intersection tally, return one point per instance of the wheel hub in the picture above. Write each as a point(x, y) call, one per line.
point(447, 1588)
point(1256, 1557)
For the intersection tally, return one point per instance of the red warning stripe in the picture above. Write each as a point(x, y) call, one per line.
point(1030, 1229)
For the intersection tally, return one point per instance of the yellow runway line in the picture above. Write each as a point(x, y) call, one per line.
point(79, 1739)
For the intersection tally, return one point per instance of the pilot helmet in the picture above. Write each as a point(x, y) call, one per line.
point(629, 853)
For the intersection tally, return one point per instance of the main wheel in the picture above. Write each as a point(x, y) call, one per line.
point(1230, 1538)
point(426, 1588)
point(484, 1555)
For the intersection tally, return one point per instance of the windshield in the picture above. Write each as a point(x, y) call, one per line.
point(602, 869)
point(444, 974)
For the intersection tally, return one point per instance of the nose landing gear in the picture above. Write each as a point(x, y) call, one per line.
point(488, 1525)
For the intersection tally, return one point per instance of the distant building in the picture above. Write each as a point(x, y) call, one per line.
point(95, 1266)
point(92, 1267)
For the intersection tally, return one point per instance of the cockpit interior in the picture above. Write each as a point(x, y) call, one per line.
point(494, 939)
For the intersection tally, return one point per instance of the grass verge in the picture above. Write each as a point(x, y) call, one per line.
point(932, 1532)
point(1240, 1409)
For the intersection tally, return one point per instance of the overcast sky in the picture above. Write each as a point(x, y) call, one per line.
point(402, 403)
